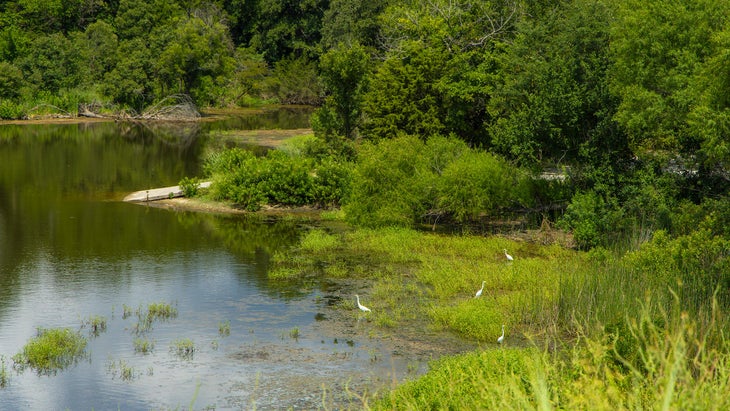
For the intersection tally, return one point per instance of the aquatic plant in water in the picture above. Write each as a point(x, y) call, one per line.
point(224, 328)
point(143, 345)
point(183, 348)
point(51, 350)
point(3, 373)
point(96, 324)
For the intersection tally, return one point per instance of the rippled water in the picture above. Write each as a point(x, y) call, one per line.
point(69, 250)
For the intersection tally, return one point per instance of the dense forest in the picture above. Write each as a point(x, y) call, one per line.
point(439, 111)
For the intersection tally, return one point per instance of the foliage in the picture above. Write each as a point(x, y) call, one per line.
point(189, 186)
point(555, 105)
point(10, 80)
point(277, 178)
point(478, 183)
point(402, 180)
point(294, 81)
point(343, 72)
point(390, 184)
point(51, 350)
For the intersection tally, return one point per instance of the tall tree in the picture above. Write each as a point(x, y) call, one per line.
point(196, 51)
point(343, 71)
point(288, 27)
point(657, 47)
point(551, 100)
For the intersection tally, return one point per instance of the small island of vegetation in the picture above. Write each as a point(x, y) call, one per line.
point(588, 137)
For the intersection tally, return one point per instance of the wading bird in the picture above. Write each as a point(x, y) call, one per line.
point(360, 306)
point(509, 257)
point(500, 340)
point(479, 293)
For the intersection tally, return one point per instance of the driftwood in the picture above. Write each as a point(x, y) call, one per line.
point(178, 107)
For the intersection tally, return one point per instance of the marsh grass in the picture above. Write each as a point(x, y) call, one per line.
point(146, 316)
point(51, 350)
point(183, 348)
point(598, 330)
point(96, 324)
point(121, 369)
point(4, 378)
point(143, 345)
point(668, 367)
point(224, 328)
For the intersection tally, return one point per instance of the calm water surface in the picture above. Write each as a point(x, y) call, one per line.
point(70, 250)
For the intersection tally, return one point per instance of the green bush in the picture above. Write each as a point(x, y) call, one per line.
point(189, 186)
point(479, 183)
point(391, 184)
point(401, 181)
point(10, 110)
point(331, 182)
point(285, 180)
point(585, 217)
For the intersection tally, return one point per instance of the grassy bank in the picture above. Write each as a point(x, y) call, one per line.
point(576, 322)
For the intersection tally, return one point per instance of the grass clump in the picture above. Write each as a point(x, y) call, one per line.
point(146, 316)
point(52, 350)
point(183, 348)
point(96, 324)
point(143, 345)
point(224, 328)
point(122, 369)
point(3, 373)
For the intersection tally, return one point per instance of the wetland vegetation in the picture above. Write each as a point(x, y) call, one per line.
point(587, 137)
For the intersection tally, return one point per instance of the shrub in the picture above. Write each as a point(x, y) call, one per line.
point(478, 183)
point(189, 186)
point(585, 216)
point(391, 184)
point(11, 111)
point(331, 182)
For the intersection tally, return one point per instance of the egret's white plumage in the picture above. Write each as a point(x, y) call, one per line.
point(479, 293)
point(509, 257)
point(501, 338)
point(360, 306)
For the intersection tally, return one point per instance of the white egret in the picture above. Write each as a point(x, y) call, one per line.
point(360, 306)
point(479, 293)
point(500, 340)
point(509, 257)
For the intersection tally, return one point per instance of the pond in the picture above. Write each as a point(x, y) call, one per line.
point(71, 251)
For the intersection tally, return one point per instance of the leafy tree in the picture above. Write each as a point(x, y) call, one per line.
point(283, 28)
point(248, 75)
point(11, 79)
point(657, 47)
point(129, 82)
point(401, 97)
point(352, 22)
point(343, 72)
point(552, 100)
point(197, 50)
point(137, 19)
point(102, 48)
point(14, 43)
point(294, 80)
point(54, 62)
point(437, 68)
